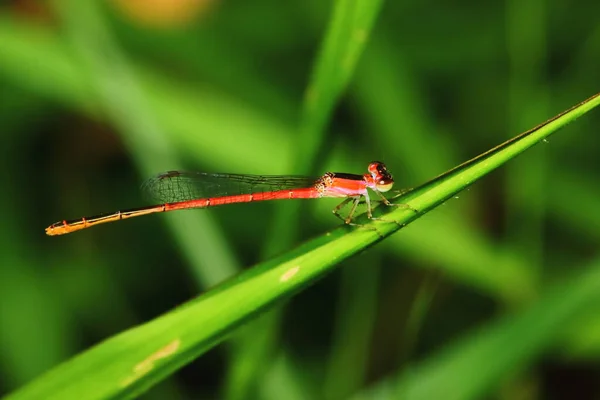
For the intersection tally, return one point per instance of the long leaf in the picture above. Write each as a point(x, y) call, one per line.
point(470, 368)
point(133, 361)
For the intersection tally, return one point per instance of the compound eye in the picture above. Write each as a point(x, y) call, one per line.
point(377, 169)
point(384, 186)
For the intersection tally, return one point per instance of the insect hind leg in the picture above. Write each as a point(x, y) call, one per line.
point(347, 220)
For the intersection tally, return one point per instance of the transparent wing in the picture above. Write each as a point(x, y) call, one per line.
point(174, 186)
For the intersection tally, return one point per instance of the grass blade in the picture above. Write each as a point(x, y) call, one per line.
point(469, 368)
point(135, 360)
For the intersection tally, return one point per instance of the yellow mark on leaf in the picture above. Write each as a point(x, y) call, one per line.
point(147, 365)
point(289, 274)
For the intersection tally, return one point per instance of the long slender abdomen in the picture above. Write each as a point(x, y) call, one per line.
point(303, 193)
point(64, 227)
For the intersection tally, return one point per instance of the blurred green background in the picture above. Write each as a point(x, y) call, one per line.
point(95, 99)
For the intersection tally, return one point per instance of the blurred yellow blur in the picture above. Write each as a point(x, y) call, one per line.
point(163, 14)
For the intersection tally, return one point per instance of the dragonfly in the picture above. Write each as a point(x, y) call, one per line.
point(177, 190)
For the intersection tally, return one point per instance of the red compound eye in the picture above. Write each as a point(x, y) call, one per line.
point(380, 174)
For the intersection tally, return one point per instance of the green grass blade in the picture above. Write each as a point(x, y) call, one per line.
point(450, 183)
point(347, 34)
point(470, 368)
point(529, 176)
point(118, 89)
point(349, 28)
point(181, 109)
point(355, 319)
point(133, 361)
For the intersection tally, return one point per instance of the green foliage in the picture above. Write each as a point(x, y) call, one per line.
point(135, 360)
point(480, 297)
